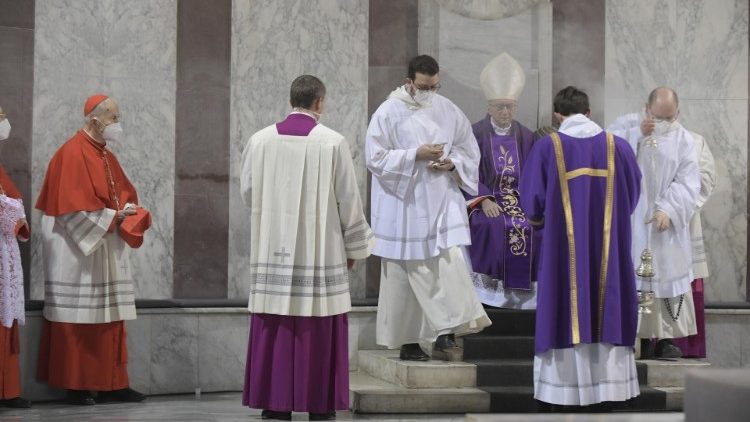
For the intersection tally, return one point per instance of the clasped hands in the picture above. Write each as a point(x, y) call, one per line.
point(432, 153)
point(129, 210)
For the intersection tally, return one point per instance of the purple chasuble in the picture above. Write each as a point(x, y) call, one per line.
point(504, 248)
point(296, 363)
point(581, 193)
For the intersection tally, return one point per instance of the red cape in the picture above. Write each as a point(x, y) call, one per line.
point(76, 180)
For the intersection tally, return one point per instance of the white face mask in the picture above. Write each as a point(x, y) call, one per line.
point(4, 130)
point(662, 127)
point(112, 132)
point(424, 96)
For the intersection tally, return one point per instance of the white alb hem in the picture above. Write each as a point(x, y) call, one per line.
point(585, 374)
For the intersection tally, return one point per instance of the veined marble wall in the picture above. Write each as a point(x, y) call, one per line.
point(463, 46)
point(272, 43)
point(126, 50)
point(700, 48)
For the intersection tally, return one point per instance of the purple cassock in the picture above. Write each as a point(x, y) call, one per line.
point(503, 248)
point(581, 192)
point(297, 363)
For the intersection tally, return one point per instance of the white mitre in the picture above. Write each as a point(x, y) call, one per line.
point(502, 78)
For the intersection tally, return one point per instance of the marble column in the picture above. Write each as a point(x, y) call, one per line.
point(126, 50)
point(578, 50)
point(201, 219)
point(393, 42)
point(272, 43)
point(699, 48)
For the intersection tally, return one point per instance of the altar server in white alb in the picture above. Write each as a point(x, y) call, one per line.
point(307, 229)
point(422, 153)
point(661, 222)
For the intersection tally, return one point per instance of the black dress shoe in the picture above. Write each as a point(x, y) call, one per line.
point(281, 416)
point(445, 342)
point(79, 398)
point(16, 403)
point(125, 395)
point(647, 349)
point(412, 351)
point(666, 349)
point(323, 416)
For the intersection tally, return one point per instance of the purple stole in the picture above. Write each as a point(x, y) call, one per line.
point(296, 124)
point(518, 233)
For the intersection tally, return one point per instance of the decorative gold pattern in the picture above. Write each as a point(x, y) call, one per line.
point(509, 203)
point(586, 171)
point(609, 173)
point(607, 228)
point(565, 193)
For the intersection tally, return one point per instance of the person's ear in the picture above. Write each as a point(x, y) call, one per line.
point(559, 117)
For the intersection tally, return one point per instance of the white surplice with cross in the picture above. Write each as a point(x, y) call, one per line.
point(306, 221)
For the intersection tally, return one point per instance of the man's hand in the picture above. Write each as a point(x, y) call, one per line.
point(490, 208)
point(350, 264)
point(662, 221)
point(444, 165)
point(647, 126)
point(126, 212)
point(429, 152)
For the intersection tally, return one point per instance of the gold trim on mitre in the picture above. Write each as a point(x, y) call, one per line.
point(502, 78)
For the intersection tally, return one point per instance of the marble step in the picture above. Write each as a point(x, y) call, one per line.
point(520, 372)
point(521, 400)
point(671, 373)
point(498, 347)
point(385, 365)
point(580, 417)
point(373, 395)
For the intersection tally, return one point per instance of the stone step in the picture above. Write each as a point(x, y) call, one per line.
point(498, 347)
point(510, 322)
point(520, 399)
point(580, 417)
point(671, 372)
point(520, 372)
point(373, 395)
point(385, 365)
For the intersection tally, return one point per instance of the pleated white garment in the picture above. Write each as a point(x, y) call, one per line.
point(498, 296)
point(659, 324)
point(422, 299)
point(585, 374)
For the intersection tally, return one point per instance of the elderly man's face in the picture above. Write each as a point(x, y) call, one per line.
point(502, 111)
point(111, 113)
point(663, 109)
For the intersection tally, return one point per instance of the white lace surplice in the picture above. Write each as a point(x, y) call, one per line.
point(11, 273)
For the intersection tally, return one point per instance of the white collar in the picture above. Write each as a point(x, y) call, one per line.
point(579, 126)
point(402, 94)
point(498, 130)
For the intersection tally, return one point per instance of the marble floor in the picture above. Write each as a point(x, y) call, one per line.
point(226, 407)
